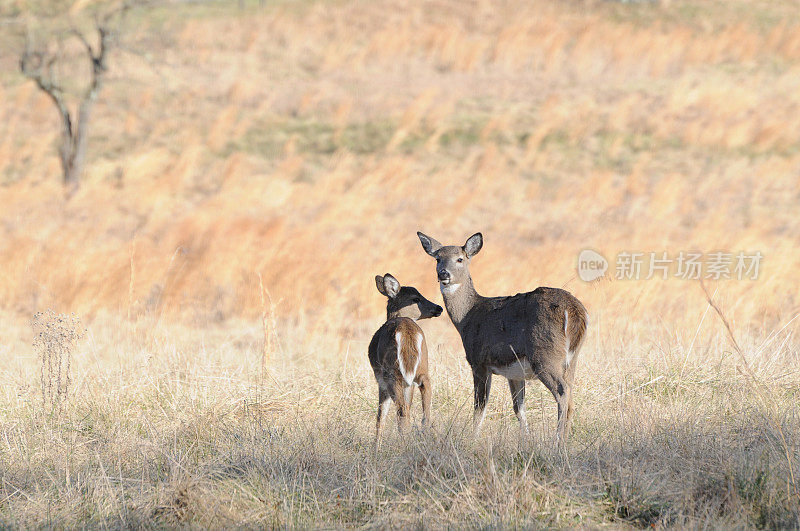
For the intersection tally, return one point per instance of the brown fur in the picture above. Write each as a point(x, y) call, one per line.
point(519, 336)
point(404, 305)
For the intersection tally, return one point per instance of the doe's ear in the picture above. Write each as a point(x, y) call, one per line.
point(429, 244)
point(473, 245)
point(379, 284)
point(391, 286)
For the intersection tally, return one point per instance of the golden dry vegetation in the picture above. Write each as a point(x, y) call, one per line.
point(251, 170)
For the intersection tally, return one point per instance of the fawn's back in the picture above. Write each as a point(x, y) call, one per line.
point(398, 352)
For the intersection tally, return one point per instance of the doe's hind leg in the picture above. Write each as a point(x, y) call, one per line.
point(562, 392)
point(569, 376)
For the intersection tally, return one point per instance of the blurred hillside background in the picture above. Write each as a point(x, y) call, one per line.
point(264, 160)
point(309, 141)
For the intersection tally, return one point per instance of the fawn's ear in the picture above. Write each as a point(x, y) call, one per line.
point(429, 244)
point(391, 286)
point(473, 245)
point(379, 284)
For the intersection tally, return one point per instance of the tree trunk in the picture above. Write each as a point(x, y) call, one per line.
point(72, 178)
point(38, 66)
point(79, 142)
point(72, 152)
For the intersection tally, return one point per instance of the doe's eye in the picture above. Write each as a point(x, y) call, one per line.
point(460, 260)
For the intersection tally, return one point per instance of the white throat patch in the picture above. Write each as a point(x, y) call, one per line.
point(449, 288)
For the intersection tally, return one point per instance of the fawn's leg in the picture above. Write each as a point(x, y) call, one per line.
point(383, 409)
point(401, 394)
point(426, 391)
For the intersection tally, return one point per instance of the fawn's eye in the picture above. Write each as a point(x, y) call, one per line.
point(460, 260)
point(415, 300)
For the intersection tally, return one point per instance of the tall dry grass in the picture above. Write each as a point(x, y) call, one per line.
point(253, 171)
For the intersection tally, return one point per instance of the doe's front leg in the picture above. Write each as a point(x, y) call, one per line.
point(482, 381)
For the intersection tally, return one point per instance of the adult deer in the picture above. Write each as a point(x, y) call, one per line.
point(533, 334)
point(398, 353)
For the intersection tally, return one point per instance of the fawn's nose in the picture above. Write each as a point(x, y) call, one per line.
point(437, 311)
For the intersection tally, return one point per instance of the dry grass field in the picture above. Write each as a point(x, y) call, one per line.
point(251, 169)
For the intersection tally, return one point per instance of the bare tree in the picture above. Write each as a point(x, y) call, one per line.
point(41, 62)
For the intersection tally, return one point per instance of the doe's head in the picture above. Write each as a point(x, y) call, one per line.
point(405, 301)
point(452, 260)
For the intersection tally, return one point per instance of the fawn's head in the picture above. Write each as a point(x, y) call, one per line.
point(405, 301)
point(452, 260)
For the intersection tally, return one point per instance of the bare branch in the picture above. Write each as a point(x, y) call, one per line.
point(38, 68)
point(41, 66)
point(83, 40)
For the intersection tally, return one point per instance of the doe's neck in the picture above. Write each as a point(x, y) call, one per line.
point(459, 299)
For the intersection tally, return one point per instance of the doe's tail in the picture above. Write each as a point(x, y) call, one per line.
point(576, 320)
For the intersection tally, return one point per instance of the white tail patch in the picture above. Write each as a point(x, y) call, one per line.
point(420, 339)
point(407, 376)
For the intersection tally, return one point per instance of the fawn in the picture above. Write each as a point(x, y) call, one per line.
point(398, 352)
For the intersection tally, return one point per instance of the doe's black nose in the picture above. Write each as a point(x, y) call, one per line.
point(443, 274)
